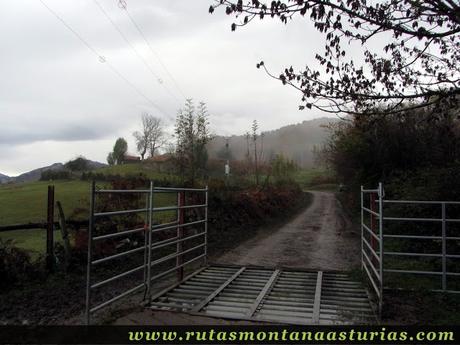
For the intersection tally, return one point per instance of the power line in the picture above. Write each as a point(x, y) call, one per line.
point(135, 50)
point(122, 4)
point(102, 59)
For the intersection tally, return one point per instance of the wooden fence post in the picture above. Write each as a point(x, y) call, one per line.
point(50, 230)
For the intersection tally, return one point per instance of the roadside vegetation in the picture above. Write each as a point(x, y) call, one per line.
point(415, 155)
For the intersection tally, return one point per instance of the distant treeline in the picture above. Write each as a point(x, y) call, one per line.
point(296, 142)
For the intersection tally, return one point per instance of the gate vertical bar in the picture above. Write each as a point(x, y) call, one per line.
point(381, 246)
point(149, 251)
point(362, 228)
point(372, 223)
point(180, 235)
point(90, 249)
point(206, 227)
point(146, 241)
point(444, 249)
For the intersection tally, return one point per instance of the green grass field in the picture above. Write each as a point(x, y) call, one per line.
point(320, 179)
point(27, 202)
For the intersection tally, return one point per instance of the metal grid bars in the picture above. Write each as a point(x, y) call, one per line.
point(376, 252)
point(372, 239)
point(440, 236)
point(180, 242)
point(268, 295)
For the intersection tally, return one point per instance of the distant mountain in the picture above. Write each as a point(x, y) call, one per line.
point(34, 175)
point(296, 142)
point(4, 178)
point(95, 165)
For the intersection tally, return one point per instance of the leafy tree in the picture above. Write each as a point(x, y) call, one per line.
point(119, 151)
point(192, 134)
point(417, 66)
point(367, 150)
point(110, 159)
point(151, 137)
point(283, 169)
point(254, 128)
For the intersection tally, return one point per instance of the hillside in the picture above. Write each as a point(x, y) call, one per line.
point(35, 174)
point(4, 178)
point(294, 141)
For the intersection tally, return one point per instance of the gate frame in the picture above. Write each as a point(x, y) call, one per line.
point(375, 239)
point(149, 245)
point(381, 201)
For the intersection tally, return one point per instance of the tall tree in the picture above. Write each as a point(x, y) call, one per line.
point(192, 134)
point(110, 159)
point(119, 150)
point(151, 137)
point(417, 67)
point(254, 128)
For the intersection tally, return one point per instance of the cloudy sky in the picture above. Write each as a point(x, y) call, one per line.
point(59, 99)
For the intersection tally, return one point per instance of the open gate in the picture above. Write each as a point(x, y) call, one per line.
point(433, 247)
point(146, 237)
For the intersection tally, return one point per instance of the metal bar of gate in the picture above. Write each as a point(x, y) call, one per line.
point(149, 251)
point(376, 239)
point(442, 255)
point(380, 195)
point(206, 226)
point(90, 245)
point(444, 263)
point(149, 244)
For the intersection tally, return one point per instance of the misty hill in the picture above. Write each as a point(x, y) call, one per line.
point(4, 178)
point(294, 141)
point(34, 175)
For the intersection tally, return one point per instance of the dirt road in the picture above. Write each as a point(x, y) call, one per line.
point(318, 238)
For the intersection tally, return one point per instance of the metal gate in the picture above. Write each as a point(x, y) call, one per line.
point(377, 215)
point(125, 226)
point(117, 236)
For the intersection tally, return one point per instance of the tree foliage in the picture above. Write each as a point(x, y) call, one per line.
point(110, 159)
point(151, 137)
point(283, 169)
point(370, 149)
point(192, 134)
point(416, 67)
point(119, 151)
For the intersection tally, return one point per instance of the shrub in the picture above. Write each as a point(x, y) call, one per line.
point(15, 265)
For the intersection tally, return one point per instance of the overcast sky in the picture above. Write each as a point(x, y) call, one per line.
point(58, 100)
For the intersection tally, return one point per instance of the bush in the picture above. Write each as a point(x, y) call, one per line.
point(49, 175)
point(15, 265)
